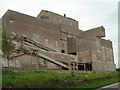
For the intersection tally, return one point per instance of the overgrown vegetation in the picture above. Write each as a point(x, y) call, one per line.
point(96, 83)
point(54, 79)
point(7, 45)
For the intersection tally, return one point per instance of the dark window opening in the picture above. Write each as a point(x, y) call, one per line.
point(42, 17)
point(80, 66)
point(11, 21)
point(88, 66)
point(74, 53)
point(75, 68)
point(62, 51)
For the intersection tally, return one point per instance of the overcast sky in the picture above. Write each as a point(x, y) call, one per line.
point(89, 14)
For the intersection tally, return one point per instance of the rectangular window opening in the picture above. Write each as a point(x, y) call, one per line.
point(11, 21)
point(62, 51)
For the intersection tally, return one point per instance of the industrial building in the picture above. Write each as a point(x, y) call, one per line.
point(55, 42)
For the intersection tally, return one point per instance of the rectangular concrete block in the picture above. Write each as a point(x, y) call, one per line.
point(84, 56)
point(103, 53)
point(79, 54)
point(98, 66)
point(111, 66)
point(111, 55)
point(107, 54)
point(99, 55)
point(53, 66)
point(105, 66)
point(26, 60)
point(63, 36)
point(68, 29)
point(84, 59)
point(93, 55)
point(88, 56)
point(71, 45)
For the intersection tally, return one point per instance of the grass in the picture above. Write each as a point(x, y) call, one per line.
point(41, 78)
point(95, 83)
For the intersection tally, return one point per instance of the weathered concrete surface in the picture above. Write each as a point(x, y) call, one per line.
point(56, 18)
point(63, 35)
point(95, 32)
point(98, 66)
point(11, 63)
point(46, 32)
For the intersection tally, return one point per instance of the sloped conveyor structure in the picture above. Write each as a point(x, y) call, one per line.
point(36, 53)
point(24, 51)
point(25, 39)
point(51, 60)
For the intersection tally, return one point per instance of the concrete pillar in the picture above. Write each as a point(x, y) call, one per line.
point(84, 67)
point(30, 62)
point(37, 62)
point(77, 65)
point(69, 65)
point(73, 66)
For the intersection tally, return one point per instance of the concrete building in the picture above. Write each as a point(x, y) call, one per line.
point(77, 49)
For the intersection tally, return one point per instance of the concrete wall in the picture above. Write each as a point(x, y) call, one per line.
point(27, 61)
point(95, 32)
point(99, 66)
point(85, 45)
point(102, 60)
point(48, 33)
point(63, 36)
point(106, 43)
point(111, 66)
point(59, 56)
point(11, 63)
point(103, 66)
point(84, 57)
point(71, 45)
point(68, 29)
point(79, 45)
point(56, 18)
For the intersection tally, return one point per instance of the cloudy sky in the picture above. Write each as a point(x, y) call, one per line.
point(89, 14)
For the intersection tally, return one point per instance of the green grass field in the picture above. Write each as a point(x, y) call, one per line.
point(54, 79)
